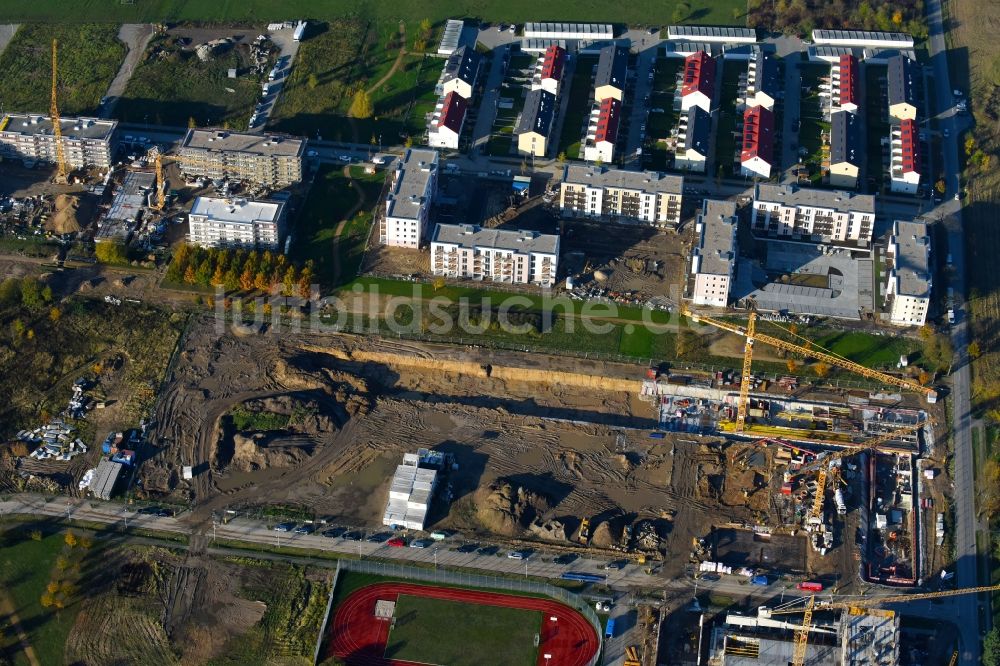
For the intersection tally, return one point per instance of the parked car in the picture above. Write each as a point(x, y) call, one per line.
point(284, 527)
point(439, 536)
point(421, 543)
point(489, 550)
point(565, 558)
point(712, 577)
point(304, 529)
point(517, 555)
point(396, 542)
point(379, 537)
point(614, 565)
point(334, 532)
point(468, 548)
point(354, 535)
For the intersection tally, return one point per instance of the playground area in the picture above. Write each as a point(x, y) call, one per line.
point(396, 624)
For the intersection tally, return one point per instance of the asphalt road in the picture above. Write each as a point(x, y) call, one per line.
point(963, 610)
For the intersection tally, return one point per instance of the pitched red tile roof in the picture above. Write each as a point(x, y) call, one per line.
point(699, 74)
point(552, 65)
point(911, 146)
point(758, 135)
point(848, 67)
point(608, 120)
point(453, 112)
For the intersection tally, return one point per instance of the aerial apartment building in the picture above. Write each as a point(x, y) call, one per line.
point(844, 82)
point(757, 148)
point(534, 127)
point(497, 255)
point(460, 72)
point(903, 103)
point(698, 82)
point(274, 160)
point(549, 72)
point(904, 165)
point(694, 135)
point(603, 131)
point(408, 204)
point(447, 121)
point(764, 85)
point(810, 215)
point(908, 286)
point(612, 70)
point(615, 195)
point(86, 142)
point(713, 257)
point(216, 222)
point(845, 149)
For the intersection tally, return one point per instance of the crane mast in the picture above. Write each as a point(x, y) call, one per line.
point(61, 170)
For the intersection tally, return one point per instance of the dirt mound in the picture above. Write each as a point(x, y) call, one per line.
point(66, 215)
point(506, 508)
point(607, 533)
point(550, 530)
point(255, 451)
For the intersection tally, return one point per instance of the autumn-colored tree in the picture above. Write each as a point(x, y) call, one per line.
point(792, 365)
point(62, 563)
point(361, 105)
point(191, 122)
point(189, 276)
point(974, 351)
point(305, 283)
point(821, 369)
point(47, 600)
point(36, 535)
point(897, 17)
point(52, 587)
point(231, 280)
point(70, 539)
point(289, 281)
point(246, 279)
point(260, 281)
point(86, 542)
point(30, 335)
point(940, 186)
point(55, 314)
point(219, 276)
point(312, 82)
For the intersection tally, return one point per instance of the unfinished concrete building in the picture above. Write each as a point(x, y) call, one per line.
point(86, 142)
point(267, 159)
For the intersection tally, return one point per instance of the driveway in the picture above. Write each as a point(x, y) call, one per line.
point(136, 37)
point(289, 48)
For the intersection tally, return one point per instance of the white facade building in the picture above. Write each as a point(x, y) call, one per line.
point(713, 257)
point(215, 222)
point(863, 38)
point(820, 216)
point(649, 197)
point(407, 208)
point(905, 163)
point(445, 127)
point(497, 255)
point(715, 34)
point(569, 31)
point(86, 142)
point(908, 287)
point(410, 493)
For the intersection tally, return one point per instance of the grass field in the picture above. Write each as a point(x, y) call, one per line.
point(708, 12)
point(813, 123)
point(174, 87)
point(726, 139)
point(89, 57)
point(434, 631)
point(876, 125)
point(581, 94)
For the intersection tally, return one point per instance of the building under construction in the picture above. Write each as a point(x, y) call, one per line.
point(856, 638)
point(86, 142)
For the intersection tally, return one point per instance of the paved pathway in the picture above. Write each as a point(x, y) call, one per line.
point(136, 37)
point(7, 32)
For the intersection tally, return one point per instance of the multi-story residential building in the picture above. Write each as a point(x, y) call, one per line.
point(698, 82)
point(713, 257)
point(844, 85)
point(817, 216)
point(446, 123)
point(694, 135)
point(215, 222)
point(86, 142)
point(646, 197)
point(612, 70)
point(408, 204)
point(460, 72)
point(603, 131)
point(549, 73)
point(904, 166)
point(757, 149)
point(267, 159)
point(908, 287)
point(535, 124)
point(763, 82)
point(498, 255)
point(845, 149)
point(903, 103)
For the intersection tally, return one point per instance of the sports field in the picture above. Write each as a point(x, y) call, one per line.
point(714, 12)
point(455, 626)
point(491, 633)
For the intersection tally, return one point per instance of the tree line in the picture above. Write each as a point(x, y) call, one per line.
point(240, 269)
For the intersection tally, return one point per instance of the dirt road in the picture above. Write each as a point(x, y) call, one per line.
point(136, 37)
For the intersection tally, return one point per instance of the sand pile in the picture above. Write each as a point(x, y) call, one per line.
point(505, 508)
point(66, 216)
point(607, 533)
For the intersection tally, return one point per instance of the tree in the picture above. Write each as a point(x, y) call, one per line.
point(425, 28)
point(70, 539)
point(312, 82)
point(897, 18)
point(219, 276)
point(46, 600)
point(940, 186)
point(289, 281)
point(991, 648)
point(305, 282)
point(438, 284)
point(47, 294)
point(246, 279)
point(561, 157)
point(821, 369)
point(36, 535)
point(970, 144)
point(361, 106)
point(10, 291)
point(189, 276)
point(408, 142)
point(191, 122)
point(974, 351)
point(924, 377)
point(31, 293)
point(737, 13)
point(52, 587)
point(792, 365)
point(55, 314)
point(260, 281)
point(111, 253)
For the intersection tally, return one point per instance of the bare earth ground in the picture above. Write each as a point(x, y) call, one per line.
point(552, 435)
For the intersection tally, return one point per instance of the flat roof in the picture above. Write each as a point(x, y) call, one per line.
point(793, 195)
point(911, 263)
point(515, 240)
point(717, 243)
point(860, 36)
point(646, 181)
point(538, 113)
point(71, 128)
point(413, 173)
point(449, 38)
point(712, 33)
point(593, 30)
point(269, 145)
point(238, 211)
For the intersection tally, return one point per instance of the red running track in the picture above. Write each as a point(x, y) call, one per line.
point(360, 639)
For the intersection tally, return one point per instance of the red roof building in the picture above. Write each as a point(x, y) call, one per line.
point(910, 141)
point(552, 65)
point(847, 92)
point(453, 112)
point(757, 152)
point(608, 120)
point(699, 76)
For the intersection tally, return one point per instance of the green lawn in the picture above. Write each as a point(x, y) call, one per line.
point(813, 123)
point(435, 631)
point(581, 94)
point(26, 568)
point(708, 12)
point(89, 57)
point(876, 125)
point(726, 141)
point(870, 350)
point(171, 86)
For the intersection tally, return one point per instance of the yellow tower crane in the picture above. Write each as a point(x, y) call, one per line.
point(61, 170)
point(858, 607)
